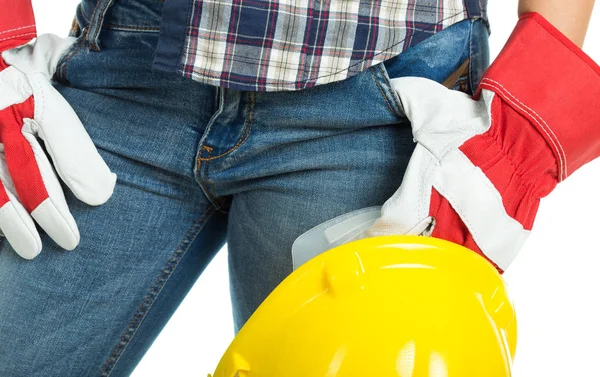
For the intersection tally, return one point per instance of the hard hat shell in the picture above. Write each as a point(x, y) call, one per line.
point(397, 306)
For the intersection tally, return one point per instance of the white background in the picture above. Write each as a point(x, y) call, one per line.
point(554, 282)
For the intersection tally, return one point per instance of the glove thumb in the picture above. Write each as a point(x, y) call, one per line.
point(40, 56)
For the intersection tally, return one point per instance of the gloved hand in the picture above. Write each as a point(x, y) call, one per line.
point(30, 108)
point(481, 165)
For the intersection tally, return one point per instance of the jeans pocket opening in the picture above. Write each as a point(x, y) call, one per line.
point(479, 52)
point(389, 94)
point(60, 75)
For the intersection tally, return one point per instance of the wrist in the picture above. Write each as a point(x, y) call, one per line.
point(571, 18)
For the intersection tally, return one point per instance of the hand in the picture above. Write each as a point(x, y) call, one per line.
point(30, 108)
point(481, 166)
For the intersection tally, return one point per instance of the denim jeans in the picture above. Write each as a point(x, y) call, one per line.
point(199, 166)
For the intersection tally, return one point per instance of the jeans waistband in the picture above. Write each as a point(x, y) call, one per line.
point(126, 15)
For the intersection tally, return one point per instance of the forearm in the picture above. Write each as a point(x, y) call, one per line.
point(570, 17)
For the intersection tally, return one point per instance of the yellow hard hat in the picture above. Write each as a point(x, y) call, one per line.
point(401, 306)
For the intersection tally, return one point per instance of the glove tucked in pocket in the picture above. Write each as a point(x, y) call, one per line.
point(481, 165)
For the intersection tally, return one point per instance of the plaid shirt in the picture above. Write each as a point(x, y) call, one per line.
point(271, 45)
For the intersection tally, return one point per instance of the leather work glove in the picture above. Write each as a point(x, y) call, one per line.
point(481, 165)
point(31, 109)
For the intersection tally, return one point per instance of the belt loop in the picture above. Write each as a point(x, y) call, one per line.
point(96, 22)
point(475, 8)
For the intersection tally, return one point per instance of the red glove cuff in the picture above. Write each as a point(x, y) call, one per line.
point(17, 23)
point(549, 80)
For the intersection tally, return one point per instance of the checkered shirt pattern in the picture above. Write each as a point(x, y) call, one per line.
point(273, 45)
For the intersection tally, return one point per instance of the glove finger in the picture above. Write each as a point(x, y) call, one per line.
point(75, 156)
point(19, 156)
point(15, 223)
point(38, 188)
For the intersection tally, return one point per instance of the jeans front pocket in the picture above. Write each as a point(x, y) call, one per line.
point(461, 50)
point(479, 52)
point(382, 79)
point(60, 75)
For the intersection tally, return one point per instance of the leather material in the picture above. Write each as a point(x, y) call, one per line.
point(30, 110)
point(482, 165)
point(439, 168)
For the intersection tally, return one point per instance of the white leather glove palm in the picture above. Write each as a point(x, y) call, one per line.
point(30, 108)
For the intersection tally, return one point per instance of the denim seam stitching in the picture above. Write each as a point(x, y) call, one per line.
point(93, 16)
point(127, 27)
point(382, 92)
point(93, 12)
point(204, 175)
point(155, 291)
point(393, 93)
point(69, 57)
point(219, 202)
point(245, 132)
point(95, 45)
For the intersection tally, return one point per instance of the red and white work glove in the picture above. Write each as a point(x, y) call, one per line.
point(481, 166)
point(30, 108)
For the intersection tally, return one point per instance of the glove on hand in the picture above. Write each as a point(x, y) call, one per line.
point(30, 108)
point(481, 166)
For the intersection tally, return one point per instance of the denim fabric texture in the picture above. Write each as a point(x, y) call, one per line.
point(199, 166)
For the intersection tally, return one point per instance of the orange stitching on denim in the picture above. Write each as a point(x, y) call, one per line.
point(99, 27)
point(212, 192)
point(245, 132)
point(67, 59)
point(93, 13)
point(136, 321)
point(207, 192)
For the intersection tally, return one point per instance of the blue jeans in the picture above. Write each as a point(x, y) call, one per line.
point(198, 167)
